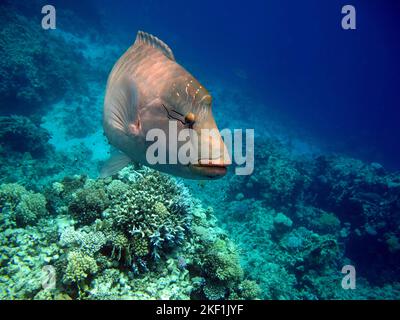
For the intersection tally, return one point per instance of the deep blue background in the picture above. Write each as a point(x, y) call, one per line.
point(340, 87)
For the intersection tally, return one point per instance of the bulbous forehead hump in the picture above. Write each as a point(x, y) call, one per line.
point(187, 90)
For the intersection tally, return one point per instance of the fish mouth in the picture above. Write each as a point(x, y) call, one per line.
point(210, 170)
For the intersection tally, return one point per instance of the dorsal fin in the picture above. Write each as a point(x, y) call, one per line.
point(143, 37)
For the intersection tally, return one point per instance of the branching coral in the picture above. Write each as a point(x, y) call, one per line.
point(152, 213)
point(221, 268)
point(80, 266)
point(249, 290)
point(88, 242)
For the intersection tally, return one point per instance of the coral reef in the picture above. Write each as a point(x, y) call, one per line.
point(88, 203)
point(283, 232)
point(79, 267)
point(20, 134)
point(22, 207)
point(365, 199)
point(334, 208)
point(39, 72)
point(278, 178)
point(24, 251)
point(137, 236)
point(153, 214)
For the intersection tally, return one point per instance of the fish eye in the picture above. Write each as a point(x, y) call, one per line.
point(190, 118)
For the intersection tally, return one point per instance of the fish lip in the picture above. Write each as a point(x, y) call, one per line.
point(211, 170)
point(211, 165)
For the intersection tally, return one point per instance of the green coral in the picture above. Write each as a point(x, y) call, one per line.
point(10, 193)
point(80, 266)
point(25, 207)
point(120, 244)
point(89, 203)
point(140, 246)
point(221, 263)
point(214, 291)
point(161, 210)
point(249, 290)
point(152, 213)
point(116, 188)
point(31, 207)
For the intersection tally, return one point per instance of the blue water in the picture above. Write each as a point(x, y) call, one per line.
point(340, 87)
point(324, 103)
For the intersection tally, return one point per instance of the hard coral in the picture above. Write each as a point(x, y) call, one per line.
point(80, 266)
point(87, 241)
point(20, 134)
point(89, 203)
point(221, 264)
point(32, 206)
point(38, 72)
point(150, 242)
point(24, 207)
point(152, 213)
point(249, 290)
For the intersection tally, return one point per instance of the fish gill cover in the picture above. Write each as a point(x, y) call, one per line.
point(284, 232)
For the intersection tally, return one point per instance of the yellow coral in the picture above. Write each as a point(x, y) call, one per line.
point(79, 267)
point(160, 209)
point(140, 246)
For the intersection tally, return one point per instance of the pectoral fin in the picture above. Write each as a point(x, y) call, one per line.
point(120, 112)
point(117, 162)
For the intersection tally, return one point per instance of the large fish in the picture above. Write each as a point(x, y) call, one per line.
point(146, 90)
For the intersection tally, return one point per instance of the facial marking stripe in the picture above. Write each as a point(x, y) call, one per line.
point(205, 97)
